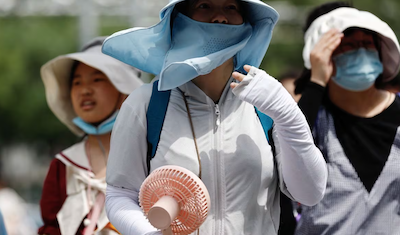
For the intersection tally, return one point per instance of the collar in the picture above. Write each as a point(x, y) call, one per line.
point(75, 156)
point(193, 92)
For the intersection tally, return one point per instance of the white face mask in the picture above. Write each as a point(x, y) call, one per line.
point(357, 70)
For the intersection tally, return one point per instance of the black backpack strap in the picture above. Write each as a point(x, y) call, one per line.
point(155, 119)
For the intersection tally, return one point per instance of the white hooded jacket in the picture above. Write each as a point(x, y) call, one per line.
point(239, 169)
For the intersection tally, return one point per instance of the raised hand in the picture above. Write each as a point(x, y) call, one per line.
point(239, 77)
point(322, 67)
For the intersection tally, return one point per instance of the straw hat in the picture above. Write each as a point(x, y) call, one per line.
point(56, 75)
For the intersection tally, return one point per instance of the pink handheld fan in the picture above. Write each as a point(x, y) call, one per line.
point(174, 200)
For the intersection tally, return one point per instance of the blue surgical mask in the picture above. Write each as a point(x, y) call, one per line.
point(103, 128)
point(358, 69)
point(197, 48)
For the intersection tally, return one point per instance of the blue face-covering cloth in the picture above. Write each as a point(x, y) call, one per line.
point(357, 70)
point(148, 48)
point(197, 48)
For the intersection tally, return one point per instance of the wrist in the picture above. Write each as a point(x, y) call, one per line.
point(318, 81)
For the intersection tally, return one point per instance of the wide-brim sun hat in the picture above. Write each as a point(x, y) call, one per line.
point(344, 18)
point(56, 76)
point(145, 48)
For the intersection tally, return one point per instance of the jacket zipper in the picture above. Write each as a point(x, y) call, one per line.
point(217, 172)
point(218, 114)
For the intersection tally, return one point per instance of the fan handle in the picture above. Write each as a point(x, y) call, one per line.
point(163, 212)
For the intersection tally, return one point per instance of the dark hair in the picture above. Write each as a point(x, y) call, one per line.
point(392, 84)
point(98, 41)
point(73, 69)
point(323, 9)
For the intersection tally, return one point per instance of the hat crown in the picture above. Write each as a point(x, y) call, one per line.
point(98, 41)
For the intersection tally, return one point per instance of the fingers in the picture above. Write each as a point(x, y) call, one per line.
point(323, 50)
point(247, 68)
point(233, 85)
point(330, 40)
point(333, 41)
point(239, 76)
point(321, 56)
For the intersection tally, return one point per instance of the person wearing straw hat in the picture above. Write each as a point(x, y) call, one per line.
point(211, 126)
point(85, 91)
point(350, 56)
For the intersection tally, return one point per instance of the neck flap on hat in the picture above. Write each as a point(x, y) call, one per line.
point(155, 50)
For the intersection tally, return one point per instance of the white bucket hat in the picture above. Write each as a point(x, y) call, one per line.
point(346, 17)
point(146, 48)
point(56, 75)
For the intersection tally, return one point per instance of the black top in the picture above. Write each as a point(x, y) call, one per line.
point(366, 141)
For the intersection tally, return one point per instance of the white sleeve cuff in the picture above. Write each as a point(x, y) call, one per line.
point(125, 214)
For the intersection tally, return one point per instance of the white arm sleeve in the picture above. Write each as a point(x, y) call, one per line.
point(300, 162)
point(127, 160)
point(125, 214)
point(127, 165)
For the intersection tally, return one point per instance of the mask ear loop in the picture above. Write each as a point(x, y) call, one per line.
point(103, 149)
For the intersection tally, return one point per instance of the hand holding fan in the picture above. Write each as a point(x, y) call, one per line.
point(174, 200)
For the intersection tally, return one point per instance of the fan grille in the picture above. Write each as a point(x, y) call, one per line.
point(186, 188)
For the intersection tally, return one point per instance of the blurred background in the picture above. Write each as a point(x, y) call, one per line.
point(35, 31)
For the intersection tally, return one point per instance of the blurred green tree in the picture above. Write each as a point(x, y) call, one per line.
point(26, 43)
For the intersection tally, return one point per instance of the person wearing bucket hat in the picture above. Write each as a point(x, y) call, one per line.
point(85, 91)
point(210, 125)
point(351, 54)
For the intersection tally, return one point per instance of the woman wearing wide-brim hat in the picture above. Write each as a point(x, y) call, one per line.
point(193, 51)
point(85, 91)
point(350, 57)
